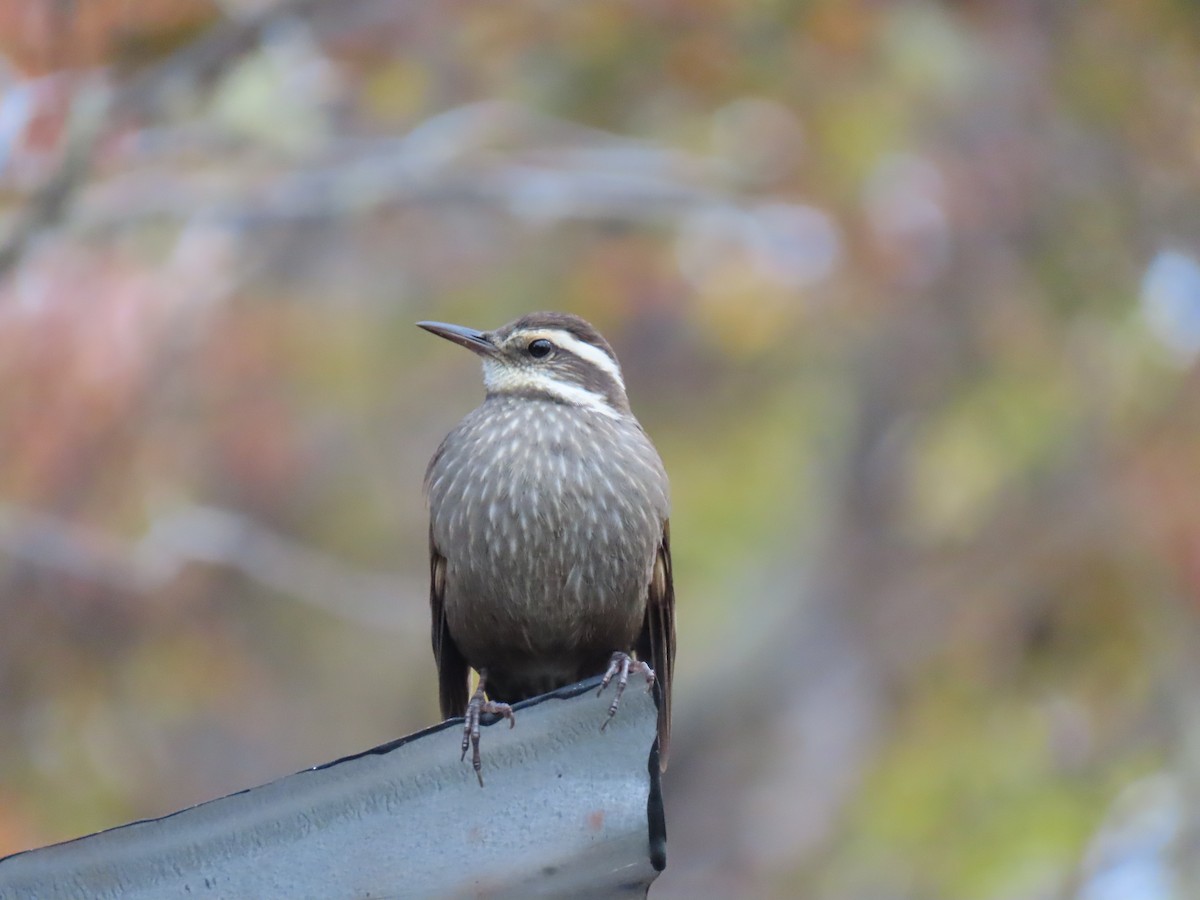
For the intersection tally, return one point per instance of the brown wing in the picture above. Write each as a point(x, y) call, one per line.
point(656, 643)
point(453, 672)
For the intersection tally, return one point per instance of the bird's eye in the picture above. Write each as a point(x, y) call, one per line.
point(540, 348)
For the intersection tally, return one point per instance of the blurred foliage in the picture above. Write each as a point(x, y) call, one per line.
point(907, 293)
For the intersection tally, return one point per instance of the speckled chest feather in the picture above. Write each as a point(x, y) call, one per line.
point(549, 516)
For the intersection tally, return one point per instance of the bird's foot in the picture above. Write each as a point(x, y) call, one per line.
point(478, 705)
point(619, 667)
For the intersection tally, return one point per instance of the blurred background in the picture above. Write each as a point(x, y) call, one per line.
point(907, 293)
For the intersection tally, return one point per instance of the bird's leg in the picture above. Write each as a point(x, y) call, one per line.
point(476, 707)
point(619, 667)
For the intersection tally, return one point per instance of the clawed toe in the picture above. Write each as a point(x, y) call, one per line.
point(478, 705)
point(619, 667)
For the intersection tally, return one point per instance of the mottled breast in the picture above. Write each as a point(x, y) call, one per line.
point(546, 513)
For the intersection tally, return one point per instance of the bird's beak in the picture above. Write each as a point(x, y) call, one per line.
point(475, 341)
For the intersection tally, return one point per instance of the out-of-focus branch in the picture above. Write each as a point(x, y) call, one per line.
point(96, 107)
point(85, 122)
point(203, 534)
point(497, 154)
point(498, 157)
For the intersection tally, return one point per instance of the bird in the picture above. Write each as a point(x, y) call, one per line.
point(549, 530)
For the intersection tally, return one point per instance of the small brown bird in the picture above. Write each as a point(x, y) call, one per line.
point(549, 543)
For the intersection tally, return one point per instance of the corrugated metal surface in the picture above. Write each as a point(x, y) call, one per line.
point(566, 811)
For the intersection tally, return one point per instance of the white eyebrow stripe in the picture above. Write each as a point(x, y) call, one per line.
point(582, 349)
point(501, 379)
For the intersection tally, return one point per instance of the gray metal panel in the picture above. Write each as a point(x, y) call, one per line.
point(566, 811)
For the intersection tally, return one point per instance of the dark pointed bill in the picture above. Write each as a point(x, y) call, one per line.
point(476, 341)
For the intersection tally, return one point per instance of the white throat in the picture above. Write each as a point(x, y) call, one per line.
point(501, 379)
